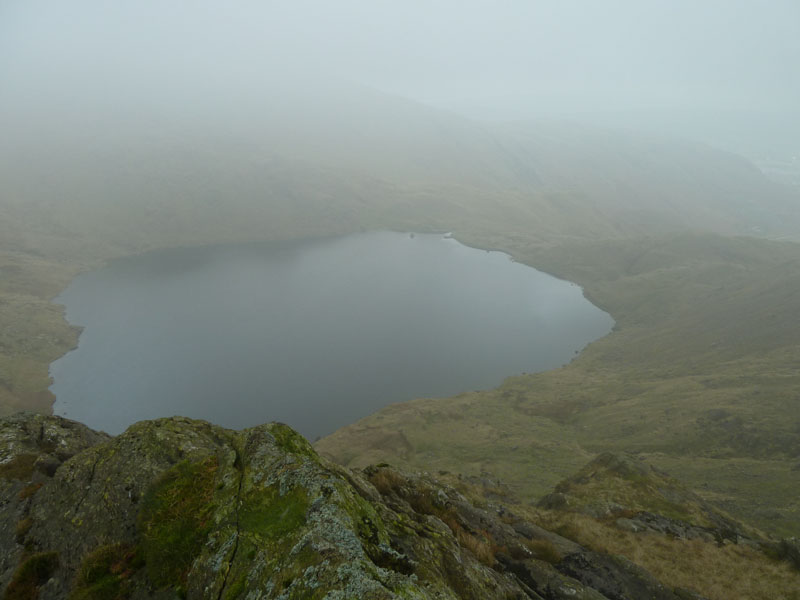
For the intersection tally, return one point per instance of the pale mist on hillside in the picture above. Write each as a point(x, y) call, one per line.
point(182, 100)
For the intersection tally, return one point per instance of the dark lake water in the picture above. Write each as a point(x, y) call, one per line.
point(315, 333)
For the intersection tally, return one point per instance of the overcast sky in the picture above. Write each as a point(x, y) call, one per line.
point(509, 57)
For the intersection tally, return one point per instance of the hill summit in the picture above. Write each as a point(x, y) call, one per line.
point(182, 508)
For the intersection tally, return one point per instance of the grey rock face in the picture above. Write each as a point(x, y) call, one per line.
point(32, 449)
point(181, 508)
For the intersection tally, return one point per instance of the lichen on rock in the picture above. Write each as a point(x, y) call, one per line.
point(181, 508)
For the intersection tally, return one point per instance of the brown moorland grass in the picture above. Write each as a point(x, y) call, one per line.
point(716, 572)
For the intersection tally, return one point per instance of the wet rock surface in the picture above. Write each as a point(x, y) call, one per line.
point(181, 508)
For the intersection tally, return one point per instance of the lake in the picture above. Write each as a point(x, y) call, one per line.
point(316, 334)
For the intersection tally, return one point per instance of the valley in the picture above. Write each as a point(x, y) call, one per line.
point(698, 377)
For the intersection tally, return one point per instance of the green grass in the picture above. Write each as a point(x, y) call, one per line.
point(105, 573)
point(175, 519)
point(273, 515)
point(761, 492)
point(31, 573)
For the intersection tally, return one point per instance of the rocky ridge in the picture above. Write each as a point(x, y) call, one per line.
point(181, 508)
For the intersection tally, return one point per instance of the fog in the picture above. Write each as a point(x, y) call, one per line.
point(503, 60)
point(465, 104)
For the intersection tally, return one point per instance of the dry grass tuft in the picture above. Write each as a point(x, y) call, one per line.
point(479, 546)
point(386, 480)
point(544, 550)
point(22, 528)
point(29, 490)
point(20, 467)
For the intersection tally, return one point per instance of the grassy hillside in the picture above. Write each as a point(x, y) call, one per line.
point(621, 505)
point(699, 376)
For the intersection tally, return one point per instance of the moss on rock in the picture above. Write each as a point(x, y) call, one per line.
point(105, 574)
point(272, 515)
point(31, 574)
point(175, 519)
point(288, 440)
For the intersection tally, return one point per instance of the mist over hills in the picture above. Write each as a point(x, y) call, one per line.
point(348, 157)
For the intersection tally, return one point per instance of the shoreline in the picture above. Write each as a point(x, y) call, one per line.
point(444, 235)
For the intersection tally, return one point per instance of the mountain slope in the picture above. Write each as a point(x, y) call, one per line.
point(181, 508)
point(699, 375)
point(309, 161)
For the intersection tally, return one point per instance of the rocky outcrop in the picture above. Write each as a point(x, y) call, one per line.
point(640, 498)
point(181, 508)
point(32, 449)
